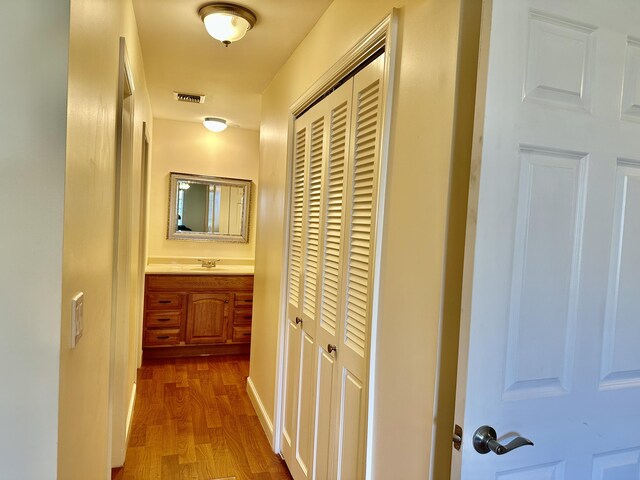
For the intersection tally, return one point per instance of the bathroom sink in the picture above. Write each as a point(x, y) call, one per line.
point(217, 268)
point(221, 269)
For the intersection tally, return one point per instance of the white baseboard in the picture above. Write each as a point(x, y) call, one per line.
point(263, 416)
point(132, 404)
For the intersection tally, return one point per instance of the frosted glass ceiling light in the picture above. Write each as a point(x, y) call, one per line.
point(215, 124)
point(227, 22)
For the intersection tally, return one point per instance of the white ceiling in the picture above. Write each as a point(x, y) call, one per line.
point(179, 55)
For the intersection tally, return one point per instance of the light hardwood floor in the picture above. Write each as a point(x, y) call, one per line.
point(193, 420)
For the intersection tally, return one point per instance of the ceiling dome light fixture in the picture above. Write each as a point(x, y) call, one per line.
point(227, 22)
point(215, 124)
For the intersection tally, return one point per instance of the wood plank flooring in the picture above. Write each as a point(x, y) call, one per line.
point(193, 420)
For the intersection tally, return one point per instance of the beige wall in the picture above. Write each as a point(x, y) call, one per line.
point(34, 46)
point(188, 147)
point(428, 162)
point(96, 26)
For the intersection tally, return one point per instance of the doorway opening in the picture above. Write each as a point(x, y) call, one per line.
point(121, 397)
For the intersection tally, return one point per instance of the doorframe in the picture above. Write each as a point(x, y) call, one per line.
point(116, 390)
point(471, 227)
point(384, 35)
point(142, 240)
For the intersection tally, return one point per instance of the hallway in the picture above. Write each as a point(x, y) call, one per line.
point(194, 420)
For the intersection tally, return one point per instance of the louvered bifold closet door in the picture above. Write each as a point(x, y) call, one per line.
point(331, 245)
point(359, 249)
point(338, 107)
point(304, 272)
point(293, 337)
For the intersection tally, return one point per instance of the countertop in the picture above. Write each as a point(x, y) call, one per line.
point(195, 269)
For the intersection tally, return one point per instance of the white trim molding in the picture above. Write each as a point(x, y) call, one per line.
point(132, 406)
point(261, 411)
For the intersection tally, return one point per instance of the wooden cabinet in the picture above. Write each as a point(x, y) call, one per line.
point(207, 318)
point(197, 314)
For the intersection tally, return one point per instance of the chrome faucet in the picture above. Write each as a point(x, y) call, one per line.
point(210, 263)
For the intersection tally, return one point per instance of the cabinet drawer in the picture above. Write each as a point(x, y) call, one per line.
point(244, 299)
point(198, 283)
point(166, 301)
point(241, 334)
point(242, 316)
point(162, 336)
point(163, 319)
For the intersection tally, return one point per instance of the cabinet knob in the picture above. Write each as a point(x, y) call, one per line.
point(332, 348)
point(298, 320)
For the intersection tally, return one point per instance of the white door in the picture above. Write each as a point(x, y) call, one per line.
point(299, 340)
point(315, 239)
point(303, 289)
point(330, 298)
point(353, 344)
point(552, 281)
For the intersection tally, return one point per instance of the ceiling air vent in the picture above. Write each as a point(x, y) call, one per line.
point(188, 97)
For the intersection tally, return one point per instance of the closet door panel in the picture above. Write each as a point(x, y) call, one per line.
point(306, 395)
point(315, 118)
point(304, 258)
point(291, 361)
point(358, 256)
point(351, 431)
point(332, 228)
point(293, 347)
point(324, 404)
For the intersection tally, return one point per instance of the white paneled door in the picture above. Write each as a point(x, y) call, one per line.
point(552, 309)
point(331, 238)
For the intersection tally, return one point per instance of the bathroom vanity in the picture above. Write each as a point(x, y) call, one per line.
point(191, 310)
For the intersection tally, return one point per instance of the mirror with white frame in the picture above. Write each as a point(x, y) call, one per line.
point(208, 208)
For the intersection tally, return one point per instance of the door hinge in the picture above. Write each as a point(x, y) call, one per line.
point(457, 437)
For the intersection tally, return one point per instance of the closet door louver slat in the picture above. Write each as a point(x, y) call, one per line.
point(312, 240)
point(333, 217)
point(297, 208)
point(363, 185)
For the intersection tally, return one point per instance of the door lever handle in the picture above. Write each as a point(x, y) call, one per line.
point(485, 441)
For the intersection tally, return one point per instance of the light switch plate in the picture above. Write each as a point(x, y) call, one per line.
point(77, 318)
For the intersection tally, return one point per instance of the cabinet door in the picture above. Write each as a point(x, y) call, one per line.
point(207, 318)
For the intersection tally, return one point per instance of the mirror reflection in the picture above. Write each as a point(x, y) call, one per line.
point(208, 208)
